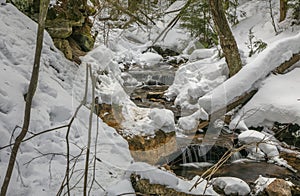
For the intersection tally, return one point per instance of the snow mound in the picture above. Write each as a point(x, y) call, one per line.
point(194, 80)
point(149, 59)
point(162, 119)
point(231, 185)
point(252, 138)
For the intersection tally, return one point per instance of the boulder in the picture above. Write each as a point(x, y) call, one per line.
point(231, 186)
point(59, 28)
point(279, 187)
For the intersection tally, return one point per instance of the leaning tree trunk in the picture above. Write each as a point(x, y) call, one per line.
point(31, 91)
point(227, 41)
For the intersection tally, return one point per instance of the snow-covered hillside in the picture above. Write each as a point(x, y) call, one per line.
point(41, 161)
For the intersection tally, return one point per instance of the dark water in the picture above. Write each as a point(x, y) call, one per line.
point(247, 171)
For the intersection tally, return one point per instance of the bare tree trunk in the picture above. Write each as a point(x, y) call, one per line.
point(283, 10)
point(227, 40)
point(31, 91)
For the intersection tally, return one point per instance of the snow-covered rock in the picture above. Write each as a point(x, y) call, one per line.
point(231, 185)
point(202, 54)
point(195, 79)
point(188, 123)
point(162, 119)
point(252, 138)
point(157, 176)
point(149, 59)
point(261, 183)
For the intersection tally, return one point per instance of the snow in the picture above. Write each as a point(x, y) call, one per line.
point(261, 183)
point(259, 140)
point(194, 80)
point(231, 185)
point(162, 119)
point(282, 103)
point(191, 122)
point(251, 73)
point(200, 87)
point(157, 176)
point(202, 54)
point(58, 94)
point(121, 187)
point(149, 59)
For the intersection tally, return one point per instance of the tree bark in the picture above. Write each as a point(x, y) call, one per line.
point(31, 91)
point(283, 10)
point(227, 41)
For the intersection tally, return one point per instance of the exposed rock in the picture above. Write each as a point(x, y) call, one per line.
point(143, 148)
point(143, 186)
point(65, 47)
point(59, 28)
point(151, 149)
point(82, 35)
point(110, 114)
point(65, 20)
point(279, 187)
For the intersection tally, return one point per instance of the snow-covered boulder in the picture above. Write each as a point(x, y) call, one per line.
point(202, 54)
point(156, 176)
point(162, 119)
point(252, 138)
point(149, 59)
point(189, 123)
point(231, 185)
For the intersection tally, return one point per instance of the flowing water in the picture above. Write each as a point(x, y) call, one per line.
point(147, 87)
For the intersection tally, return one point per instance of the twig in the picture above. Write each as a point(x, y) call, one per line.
point(83, 102)
point(36, 134)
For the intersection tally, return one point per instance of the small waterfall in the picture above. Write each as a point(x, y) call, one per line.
point(183, 155)
point(236, 156)
point(189, 155)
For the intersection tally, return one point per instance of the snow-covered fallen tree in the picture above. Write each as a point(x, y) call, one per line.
point(249, 76)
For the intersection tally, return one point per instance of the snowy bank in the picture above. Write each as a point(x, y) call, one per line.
point(276, 101)
point(41, 160)
point(246, 79)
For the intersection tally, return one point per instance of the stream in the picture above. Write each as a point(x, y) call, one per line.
point(146, 88)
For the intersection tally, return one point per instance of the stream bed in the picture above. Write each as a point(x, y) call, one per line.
point(146, 89)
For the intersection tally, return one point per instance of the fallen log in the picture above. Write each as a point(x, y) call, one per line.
point(243, 99)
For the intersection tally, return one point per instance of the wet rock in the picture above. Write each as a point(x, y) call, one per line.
point(279, 187)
